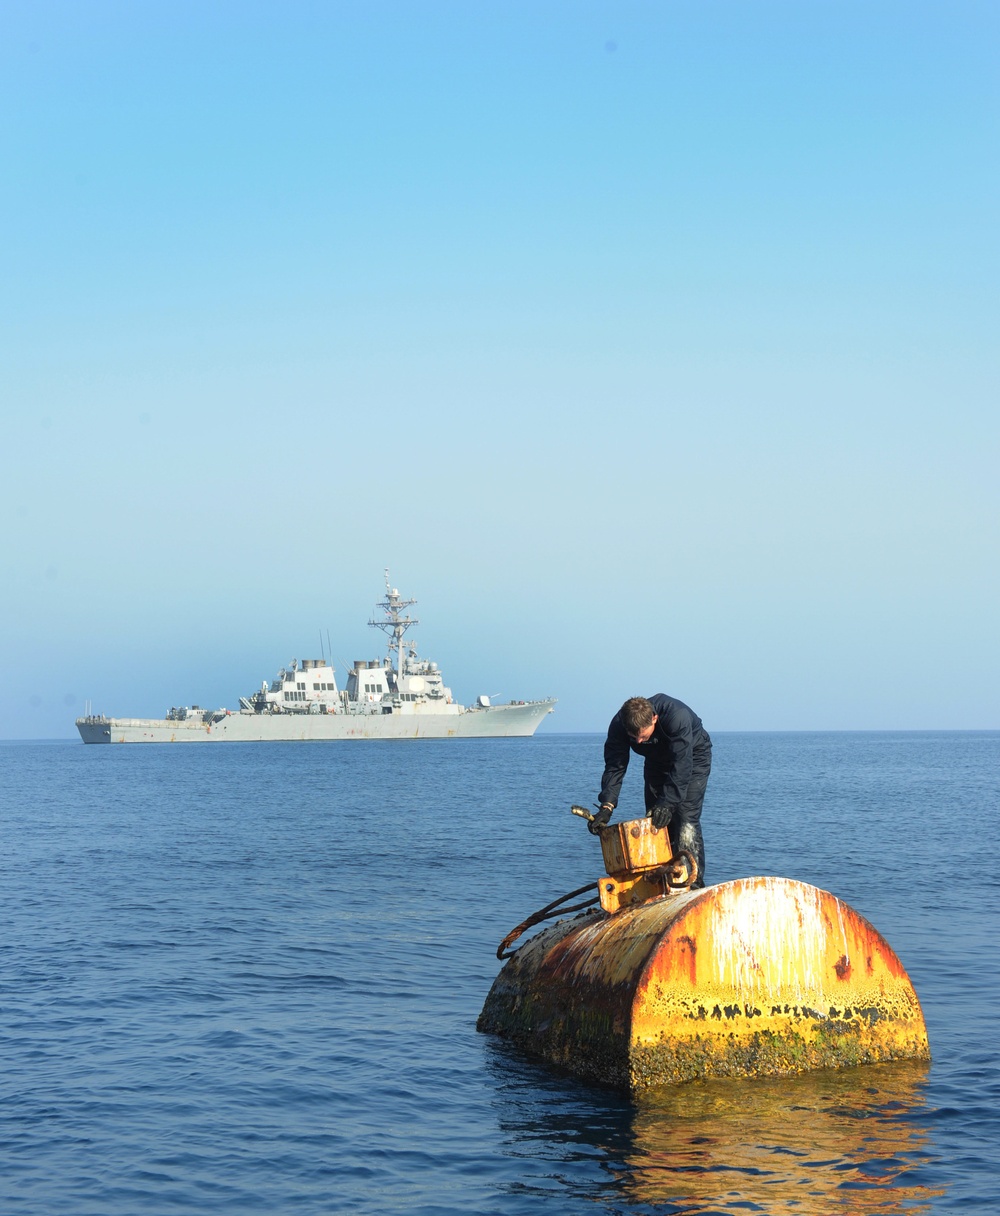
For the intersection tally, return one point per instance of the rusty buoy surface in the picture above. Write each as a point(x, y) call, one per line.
point(760, 976)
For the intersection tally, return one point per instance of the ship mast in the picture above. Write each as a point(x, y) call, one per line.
point(395, 623)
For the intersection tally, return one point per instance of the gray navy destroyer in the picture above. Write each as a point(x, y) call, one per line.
point(398, 697)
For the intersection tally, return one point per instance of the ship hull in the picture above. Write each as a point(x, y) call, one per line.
point(496, 721)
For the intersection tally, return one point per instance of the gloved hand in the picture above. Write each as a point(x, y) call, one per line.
point(661, 815)
point(600, 820)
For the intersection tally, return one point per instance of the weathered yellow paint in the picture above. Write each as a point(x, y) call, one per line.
point(753, 977)
point(618, 893)
point(634, 845)
point(640, 864)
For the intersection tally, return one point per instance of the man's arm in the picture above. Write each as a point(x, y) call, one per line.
point(616, 755)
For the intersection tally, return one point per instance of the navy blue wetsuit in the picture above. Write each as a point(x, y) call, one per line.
point(677, 762)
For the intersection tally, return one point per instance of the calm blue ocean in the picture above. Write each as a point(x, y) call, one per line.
point(245, 979)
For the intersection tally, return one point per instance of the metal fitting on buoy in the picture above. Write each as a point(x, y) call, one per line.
point(640, 864)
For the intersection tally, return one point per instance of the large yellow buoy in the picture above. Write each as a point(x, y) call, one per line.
point(753, 977)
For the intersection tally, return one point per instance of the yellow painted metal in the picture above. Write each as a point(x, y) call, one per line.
point(638, 860)
point(762, 976)
point(621, 892)
point(634, 845)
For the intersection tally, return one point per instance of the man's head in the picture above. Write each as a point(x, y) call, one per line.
point(639, 719)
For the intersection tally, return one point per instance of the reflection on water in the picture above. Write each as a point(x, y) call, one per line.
point(824, 1142)
point(855, 1142)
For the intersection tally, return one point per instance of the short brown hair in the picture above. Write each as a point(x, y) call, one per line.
point(636, 714)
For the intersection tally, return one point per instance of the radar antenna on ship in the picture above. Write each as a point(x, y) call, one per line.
point(395, 623)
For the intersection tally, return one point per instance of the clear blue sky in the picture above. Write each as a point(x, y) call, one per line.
point(651, 346)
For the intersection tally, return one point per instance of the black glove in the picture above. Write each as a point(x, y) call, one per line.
point(600, 820)
point(661, 815)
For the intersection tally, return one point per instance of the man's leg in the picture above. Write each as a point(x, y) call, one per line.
point(685, 827)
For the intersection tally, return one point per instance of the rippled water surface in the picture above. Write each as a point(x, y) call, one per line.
point(245, 978)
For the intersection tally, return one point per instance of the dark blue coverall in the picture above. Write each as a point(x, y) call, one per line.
point(677, 762)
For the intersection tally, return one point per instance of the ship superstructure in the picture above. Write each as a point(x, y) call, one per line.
point(400, 696)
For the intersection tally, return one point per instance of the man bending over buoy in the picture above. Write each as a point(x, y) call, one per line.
point(677, 755)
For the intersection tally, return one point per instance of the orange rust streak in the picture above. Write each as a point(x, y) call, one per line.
point(773, 957)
